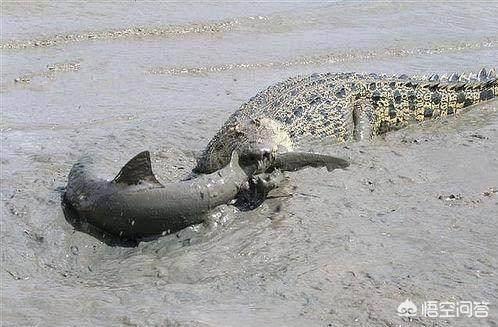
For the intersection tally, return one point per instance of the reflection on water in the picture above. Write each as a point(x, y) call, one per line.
point(119, 78)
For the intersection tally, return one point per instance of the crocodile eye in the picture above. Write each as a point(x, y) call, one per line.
point(251, 156)
point(254, 156)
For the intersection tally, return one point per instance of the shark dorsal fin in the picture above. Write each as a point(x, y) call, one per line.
point(137, 170)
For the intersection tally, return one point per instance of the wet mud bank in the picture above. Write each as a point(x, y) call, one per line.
point(413, 217)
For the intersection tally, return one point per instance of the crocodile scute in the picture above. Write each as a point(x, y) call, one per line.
point(341, 107)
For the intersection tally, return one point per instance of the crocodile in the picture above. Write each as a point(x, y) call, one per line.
point(339, 107)
point(258, 142)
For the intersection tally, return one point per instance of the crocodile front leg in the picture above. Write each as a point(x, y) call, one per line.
point(362, 120)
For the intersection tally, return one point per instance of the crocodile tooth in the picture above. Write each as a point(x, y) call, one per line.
point(403, 76)
point(463, 78)
point(444, 78)
point(482, 75)
point(453, 77)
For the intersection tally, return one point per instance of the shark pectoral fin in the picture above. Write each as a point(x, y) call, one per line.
point(137, 170)
point(292, 161)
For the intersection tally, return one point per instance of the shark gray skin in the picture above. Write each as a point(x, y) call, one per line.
point(135, 205)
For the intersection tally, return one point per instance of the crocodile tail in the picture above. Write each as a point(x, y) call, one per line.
point(420, 98)
point(466, 90)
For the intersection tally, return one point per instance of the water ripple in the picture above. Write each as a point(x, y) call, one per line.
point(125, 33)
point(330, 58)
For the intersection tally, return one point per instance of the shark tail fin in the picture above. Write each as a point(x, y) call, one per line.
point(292, 161)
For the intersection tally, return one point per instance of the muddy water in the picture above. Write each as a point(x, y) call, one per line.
point(414, 217)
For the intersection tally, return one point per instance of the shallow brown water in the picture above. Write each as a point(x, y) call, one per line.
point(344, 250)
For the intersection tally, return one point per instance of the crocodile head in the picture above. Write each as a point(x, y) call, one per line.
point(263, 144)
point(256, 140)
